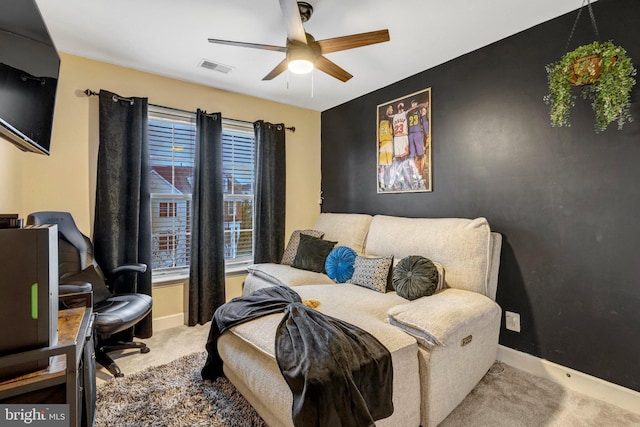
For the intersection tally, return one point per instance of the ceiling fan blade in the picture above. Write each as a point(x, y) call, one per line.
point(323, 64)
point(276, 71)
point(356, 40)
point(251, 45)
point(292, 20)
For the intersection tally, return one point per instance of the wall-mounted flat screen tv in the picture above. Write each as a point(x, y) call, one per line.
point(29, 67)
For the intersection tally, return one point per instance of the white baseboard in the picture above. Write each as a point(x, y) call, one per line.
point(574, 380)
point(166, 322)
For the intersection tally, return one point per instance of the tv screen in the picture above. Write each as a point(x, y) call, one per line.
point(29, 67)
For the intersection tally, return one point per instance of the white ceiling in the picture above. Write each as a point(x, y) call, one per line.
point(169, 38)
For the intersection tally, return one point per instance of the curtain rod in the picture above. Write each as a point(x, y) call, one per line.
point(90, 92)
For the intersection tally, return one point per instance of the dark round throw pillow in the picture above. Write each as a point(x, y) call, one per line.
point(414, 277)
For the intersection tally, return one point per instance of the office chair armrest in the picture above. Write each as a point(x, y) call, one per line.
point(74, 287)
point(75, 299)
point(126, 268)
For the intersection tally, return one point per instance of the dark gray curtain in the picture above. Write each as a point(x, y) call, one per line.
point(268, 230)
point(206, 272)
point(122, 228)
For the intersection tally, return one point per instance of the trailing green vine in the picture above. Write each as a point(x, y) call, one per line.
point(609, 94)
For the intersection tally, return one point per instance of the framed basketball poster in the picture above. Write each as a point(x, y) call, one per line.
point(404, 144)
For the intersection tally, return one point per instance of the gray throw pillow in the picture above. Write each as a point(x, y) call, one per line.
point(414, 277)
point(292, 247)
point(372, 273)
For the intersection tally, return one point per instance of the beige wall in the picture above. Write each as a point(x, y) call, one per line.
point(11, 193)
point(65, 180)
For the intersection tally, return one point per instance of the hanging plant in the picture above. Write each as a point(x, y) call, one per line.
point(606, 75)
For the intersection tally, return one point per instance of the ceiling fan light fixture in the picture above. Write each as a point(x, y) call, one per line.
point(303, 52)
point(300, 60)
point(300, 66)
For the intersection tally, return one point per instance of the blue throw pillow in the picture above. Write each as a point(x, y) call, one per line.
point(339, 263)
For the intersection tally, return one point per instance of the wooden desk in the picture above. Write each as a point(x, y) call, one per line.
point(75, 329)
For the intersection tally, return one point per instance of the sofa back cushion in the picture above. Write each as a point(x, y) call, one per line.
point(347, 229)
point(462, 246)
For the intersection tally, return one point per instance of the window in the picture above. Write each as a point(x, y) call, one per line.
point(172, 149)
point(166, 242)
point(167, 209)
point(238, 164)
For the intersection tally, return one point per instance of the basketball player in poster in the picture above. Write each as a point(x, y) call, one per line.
point(406, 172)
point(401, 170)
point(418, 130)
point(385, 149)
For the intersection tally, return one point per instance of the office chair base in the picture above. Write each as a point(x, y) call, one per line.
point(108, 363)
point(105, 360)
point(124, 345)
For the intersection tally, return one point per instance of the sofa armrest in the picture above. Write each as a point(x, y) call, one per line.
point(446, 318)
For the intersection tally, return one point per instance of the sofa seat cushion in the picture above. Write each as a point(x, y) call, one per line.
point(445, 318)
point(351, 303)
point(248, 353)
point(279, 274)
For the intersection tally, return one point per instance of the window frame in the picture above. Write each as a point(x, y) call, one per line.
point(232, 266)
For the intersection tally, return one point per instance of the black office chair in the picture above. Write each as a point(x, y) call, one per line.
point(79, 272)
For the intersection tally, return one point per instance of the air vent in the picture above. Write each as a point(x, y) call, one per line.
point(215, 66)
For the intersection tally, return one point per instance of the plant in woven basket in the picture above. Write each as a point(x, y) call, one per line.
point(606, 75)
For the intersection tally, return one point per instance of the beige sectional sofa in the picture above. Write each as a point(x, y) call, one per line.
point(441, 345)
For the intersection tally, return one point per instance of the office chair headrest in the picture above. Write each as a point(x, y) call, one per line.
point(67, 228)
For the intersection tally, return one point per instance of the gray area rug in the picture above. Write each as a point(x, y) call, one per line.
point(174, 394)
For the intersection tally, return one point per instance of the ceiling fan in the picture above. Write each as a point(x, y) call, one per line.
point(303, 52)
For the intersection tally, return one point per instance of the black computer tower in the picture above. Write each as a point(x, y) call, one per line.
point(28, 293)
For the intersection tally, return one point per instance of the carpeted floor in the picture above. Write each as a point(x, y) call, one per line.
point(173, 394)
point(509, 397)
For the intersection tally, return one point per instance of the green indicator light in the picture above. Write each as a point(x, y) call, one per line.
point(34, 301)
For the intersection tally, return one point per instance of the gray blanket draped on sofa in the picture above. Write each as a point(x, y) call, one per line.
point(339, 374)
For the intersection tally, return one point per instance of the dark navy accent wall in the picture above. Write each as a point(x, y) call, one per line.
point(567, 200)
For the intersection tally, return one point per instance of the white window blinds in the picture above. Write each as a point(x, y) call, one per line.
point(172, 149)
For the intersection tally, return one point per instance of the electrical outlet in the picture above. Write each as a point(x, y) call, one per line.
point(512, 321)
